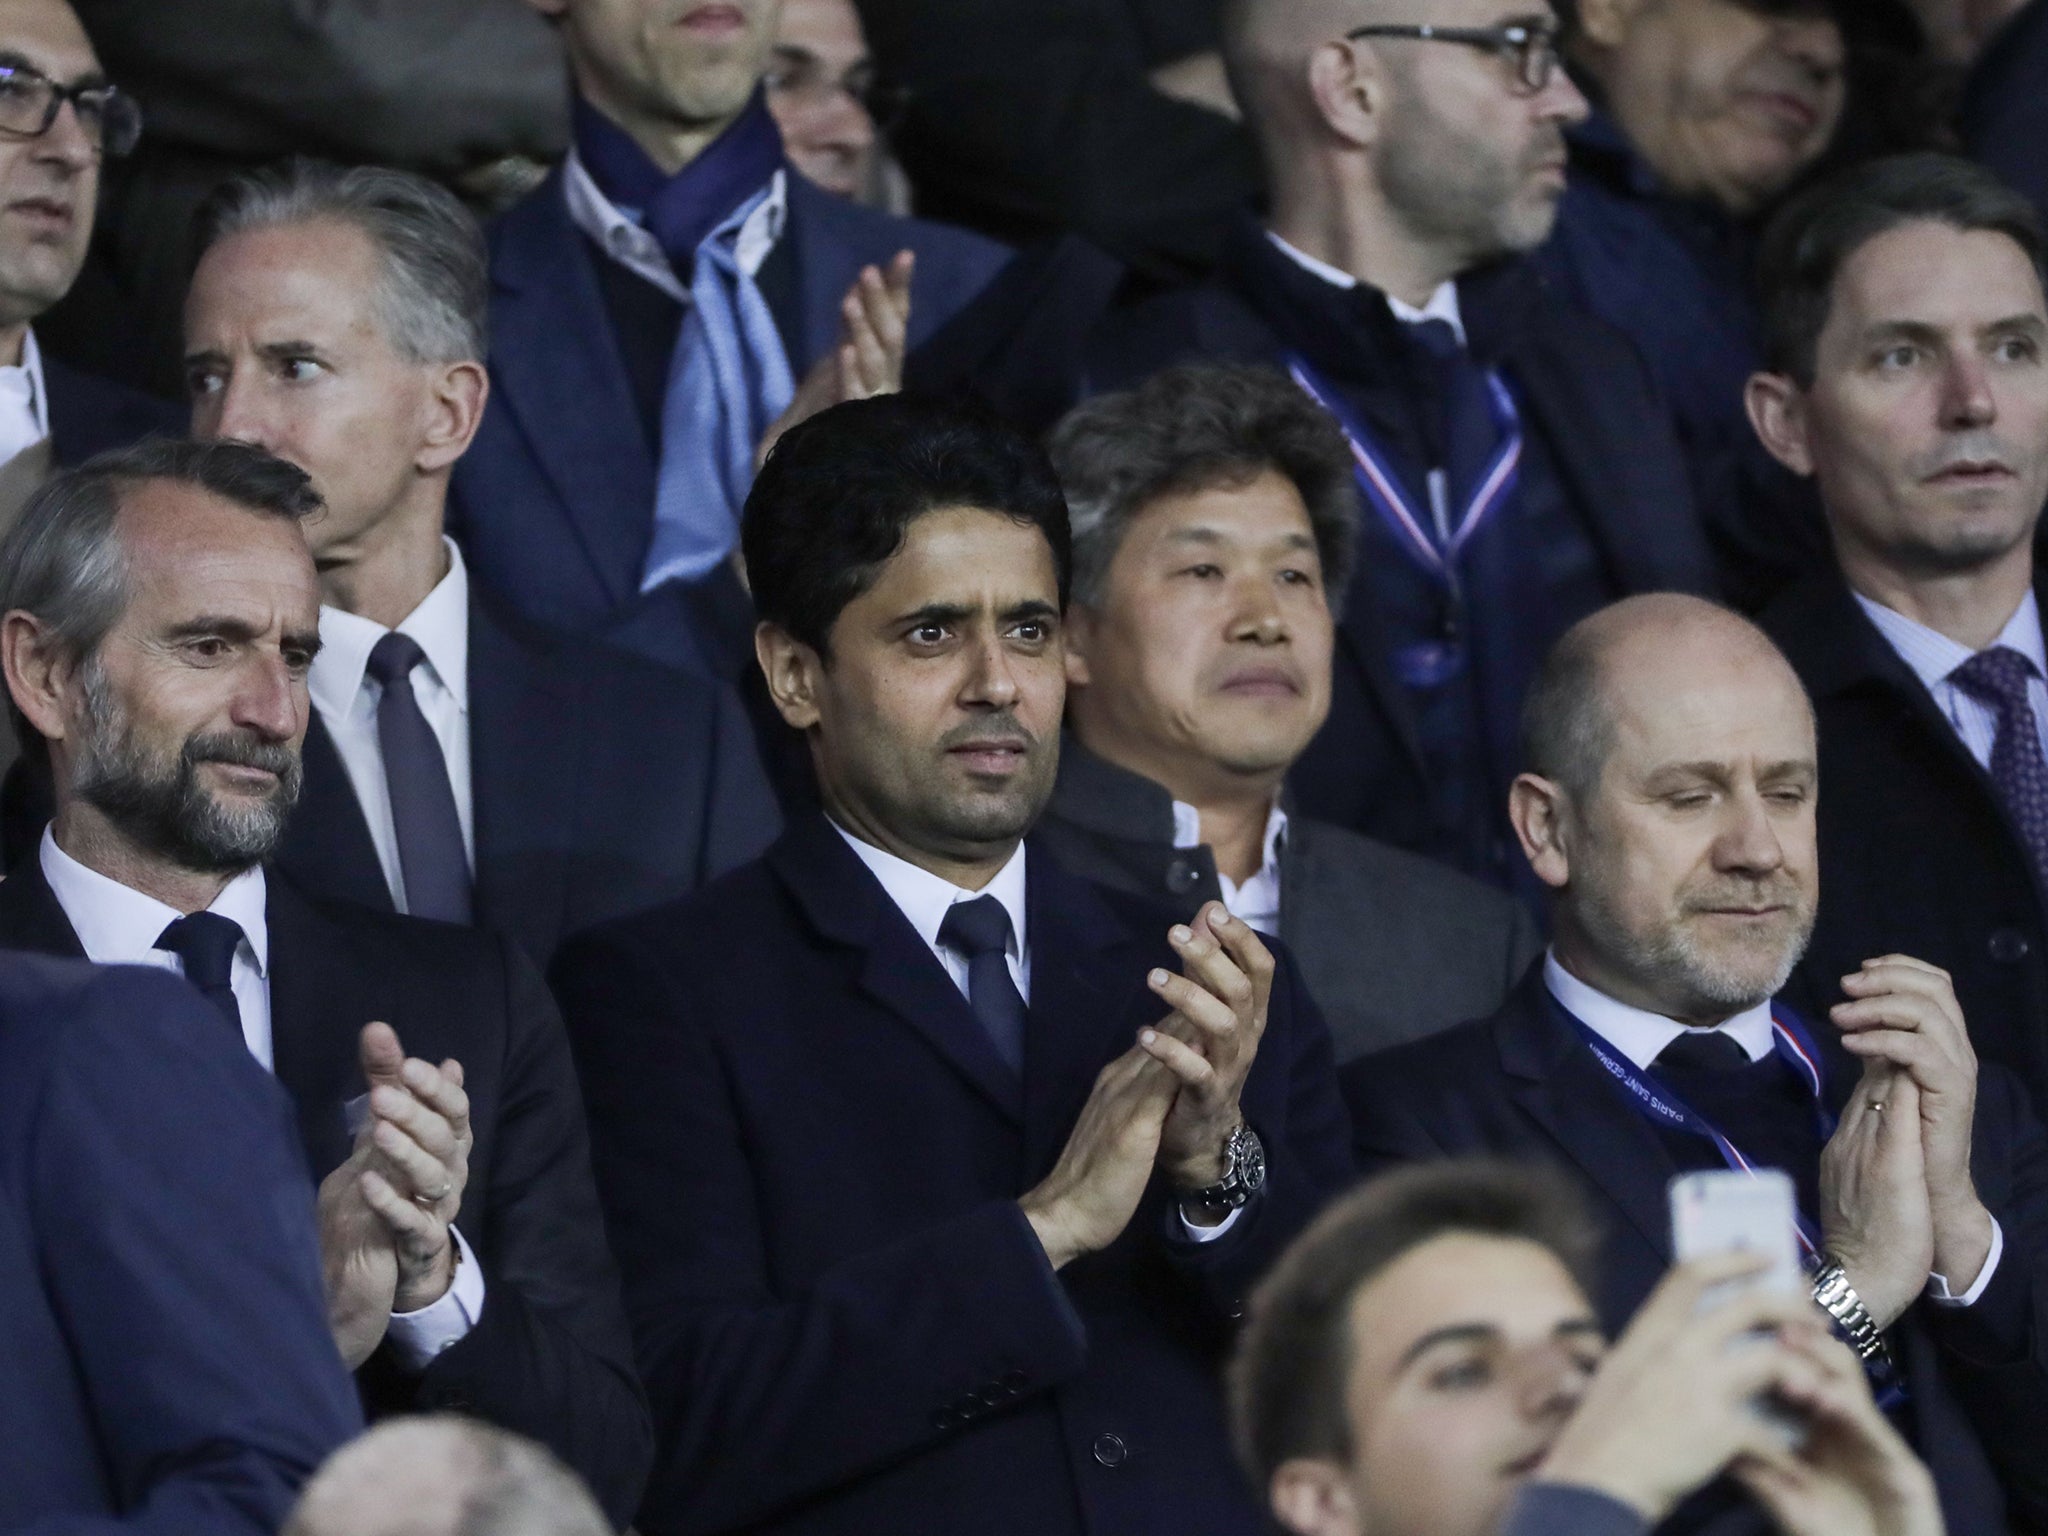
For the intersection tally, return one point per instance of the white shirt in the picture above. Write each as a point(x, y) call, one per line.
point(24, 401)
point(1443, 305)
point(623, 236)
point(1934, 658)
point(1641, 1036)
point(347, 697)
point(1257, 901)
point(118, 925)
point(924, 898)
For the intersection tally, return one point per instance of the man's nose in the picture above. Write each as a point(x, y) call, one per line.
point(237, 411)
point(1967, 400)
point(1750, 840)
point(993, 681)
point(1814, 42)
point(68, 142)
point(271, 698)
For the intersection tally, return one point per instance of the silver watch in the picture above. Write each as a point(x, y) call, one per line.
point(1244, 1173)
point(1838, 1298)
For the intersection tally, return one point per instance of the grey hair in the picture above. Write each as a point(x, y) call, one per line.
point(1192, 428)
point(1567, 727)
point(435, 298)
point(61, 561)
point(523, 1489)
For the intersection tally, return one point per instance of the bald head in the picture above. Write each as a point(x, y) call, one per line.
point(444, 1476)
point(1669, 807)
point(1267, 45)
point(1639, 653)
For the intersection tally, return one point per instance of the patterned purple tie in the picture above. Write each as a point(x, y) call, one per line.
point(1999, 677)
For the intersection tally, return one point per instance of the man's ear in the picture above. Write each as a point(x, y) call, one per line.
point(1541, 813)
point(1312, 1497)
point(1777, 412)
point(40, 676)
point(793, 671)
point(455, 409)
point(1079, 636)
point(1349, 90)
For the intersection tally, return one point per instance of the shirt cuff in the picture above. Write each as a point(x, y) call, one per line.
point(419, 1336)
point(1937, 1285)
point(1196, 1234)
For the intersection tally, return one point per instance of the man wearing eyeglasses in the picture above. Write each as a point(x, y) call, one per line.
point(1514, 472)
point(822, 88)
point(59, 120)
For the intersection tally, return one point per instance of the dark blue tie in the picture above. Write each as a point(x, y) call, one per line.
point(1703, 1050)
point(1465, 434)
point(431, 855)
point(205, 942)
point(1999, 677)
point(979, 930)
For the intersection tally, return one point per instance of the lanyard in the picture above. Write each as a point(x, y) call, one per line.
point(1382, 488)
point(1656, 1102)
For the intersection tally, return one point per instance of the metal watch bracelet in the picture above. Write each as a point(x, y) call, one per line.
point(1838, 1298)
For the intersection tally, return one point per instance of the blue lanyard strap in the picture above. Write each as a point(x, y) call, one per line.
point(1655, 1102)
point(1382, 488)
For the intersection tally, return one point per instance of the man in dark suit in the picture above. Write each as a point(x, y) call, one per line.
point(168, 1365)
point(1515, 473)
point(464, 1253)
point(2004, 117)
point(1670, 809)
point(1214, 520)
point(1922, 648)
point(936, 1175)
point(583, 783)
point(662, 305)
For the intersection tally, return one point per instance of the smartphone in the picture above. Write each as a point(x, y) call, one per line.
point(1730, 1212)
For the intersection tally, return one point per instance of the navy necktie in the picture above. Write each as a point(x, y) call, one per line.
point(205, 942)
point(1703, 1050)
point(1999, 678)
point(1464, 435)
point(979, 930)
point(431, 855)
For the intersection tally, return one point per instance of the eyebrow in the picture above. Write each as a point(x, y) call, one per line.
point(90, 79)
point(1921, 331)
point(1718, 772)
point(220, 626)
point(1484, 1333)
point(954, 613)
point(1206, 536)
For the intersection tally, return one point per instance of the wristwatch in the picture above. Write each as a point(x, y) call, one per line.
point(1244, 1173)
point(1838, 1298)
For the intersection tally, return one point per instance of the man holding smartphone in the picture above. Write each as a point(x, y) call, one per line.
point(1670, 811)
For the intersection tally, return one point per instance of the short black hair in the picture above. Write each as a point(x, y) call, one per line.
point(1815, 235)
point(1288, 1380)
point(839, 491)
point(1193, 428)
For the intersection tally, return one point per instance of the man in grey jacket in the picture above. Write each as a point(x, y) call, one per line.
point(1213, 515)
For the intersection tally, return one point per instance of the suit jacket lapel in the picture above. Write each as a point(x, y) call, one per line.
point(320, 999)
point(558, 368)
point(1087, 981)
point(31, 917)
point(526, 742)
point(1557, 1083)
point(327, 842)
point(846, 905)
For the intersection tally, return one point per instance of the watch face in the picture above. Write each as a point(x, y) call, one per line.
point(1251, 1166)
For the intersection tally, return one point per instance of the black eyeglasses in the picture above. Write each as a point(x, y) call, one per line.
point(801, 78)
point(30, 101)
point(1530, 45)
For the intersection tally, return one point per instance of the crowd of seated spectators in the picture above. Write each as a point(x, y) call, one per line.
point(853, 767)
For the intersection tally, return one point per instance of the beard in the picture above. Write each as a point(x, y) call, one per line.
point(160, 804)
point(1672, 962)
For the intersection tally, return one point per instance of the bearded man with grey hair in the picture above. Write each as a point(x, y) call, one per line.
point(1669, 809)
point(159, 618)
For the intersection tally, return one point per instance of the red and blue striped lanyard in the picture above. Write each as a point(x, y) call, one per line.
point(1382, 487)
point(1655, 1101)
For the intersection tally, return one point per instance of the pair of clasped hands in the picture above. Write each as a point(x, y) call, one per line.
point(387, 1214)
point(1170, 1102)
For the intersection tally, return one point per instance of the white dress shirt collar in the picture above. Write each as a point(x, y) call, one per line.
point(24, 401)
point(440, 626)
point(1257, 901)
point(1443, 304)
point(1933, 655)
point(119, 925)
point(621, 235)
point(1640, 1035)
point(925, 898)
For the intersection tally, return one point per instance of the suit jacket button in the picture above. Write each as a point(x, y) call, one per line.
point(1110, 1450)
point(2009, 946)
point(1014, 1382)
point(968, 1406)
point(944, 1419)
point(1182, 876)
